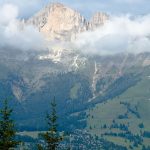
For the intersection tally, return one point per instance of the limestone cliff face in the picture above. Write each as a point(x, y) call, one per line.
point(98, 20)
point(58, 22)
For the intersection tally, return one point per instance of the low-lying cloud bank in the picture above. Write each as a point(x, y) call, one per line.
point(13, 33)
point(118, 35)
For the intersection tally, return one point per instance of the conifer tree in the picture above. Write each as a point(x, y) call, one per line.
point(7, 129)
point(52, 137)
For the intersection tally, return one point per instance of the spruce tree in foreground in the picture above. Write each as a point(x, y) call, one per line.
point(52, 137)
point(7, 129)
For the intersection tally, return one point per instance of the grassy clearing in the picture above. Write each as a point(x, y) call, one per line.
point(135, 99)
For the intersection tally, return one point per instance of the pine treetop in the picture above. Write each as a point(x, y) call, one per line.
point(7, 128)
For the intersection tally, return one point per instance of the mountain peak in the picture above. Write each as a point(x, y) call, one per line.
point(56, 6)
point(98, 19)
point(59, 22)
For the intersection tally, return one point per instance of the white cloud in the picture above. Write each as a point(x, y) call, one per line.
point(8, 13)
point(13, 33)
point(119, 34)
point(26, 7)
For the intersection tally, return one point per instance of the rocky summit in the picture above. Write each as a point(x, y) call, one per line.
point(59, 22)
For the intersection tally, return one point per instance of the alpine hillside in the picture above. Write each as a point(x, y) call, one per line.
point(105, 96)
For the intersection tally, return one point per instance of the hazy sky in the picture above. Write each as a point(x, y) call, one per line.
point(87, 7)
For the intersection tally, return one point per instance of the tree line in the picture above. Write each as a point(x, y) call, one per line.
point(51, 137)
